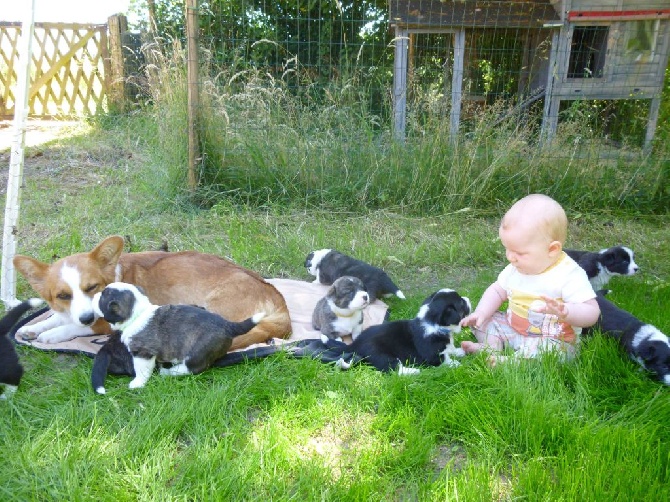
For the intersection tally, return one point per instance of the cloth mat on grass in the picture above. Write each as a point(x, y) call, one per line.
point(301, 298)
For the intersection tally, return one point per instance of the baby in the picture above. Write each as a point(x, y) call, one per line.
point(549, 296)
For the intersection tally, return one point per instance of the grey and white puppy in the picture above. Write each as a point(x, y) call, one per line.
point(327, 265)
point(340, 312)
point(189, 338)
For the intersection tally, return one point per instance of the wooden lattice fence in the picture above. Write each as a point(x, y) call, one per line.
point(70, 69)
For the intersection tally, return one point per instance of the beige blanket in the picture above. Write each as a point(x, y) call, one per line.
point(301, 298)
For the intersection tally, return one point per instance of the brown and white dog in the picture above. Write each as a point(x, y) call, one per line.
point(186, 277)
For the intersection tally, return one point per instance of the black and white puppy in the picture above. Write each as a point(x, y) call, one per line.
point(340, 312)
point(643, 342)
point(602, 265)
point(11, 370)
point(327, 265)
point(425, 340)
point(187, 337)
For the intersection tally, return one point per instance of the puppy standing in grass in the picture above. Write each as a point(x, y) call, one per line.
point(550, 298)
point(189, 338)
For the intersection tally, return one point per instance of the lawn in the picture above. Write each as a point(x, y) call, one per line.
point(286, 429)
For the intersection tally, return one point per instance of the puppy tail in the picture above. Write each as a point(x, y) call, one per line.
point(15, 313)
point(389, 286)
point(242, 327)
point(275, 323)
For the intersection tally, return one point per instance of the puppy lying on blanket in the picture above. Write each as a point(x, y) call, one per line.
point(340, 312)
point(327, 265)
point(643, 342)
point(187, 337)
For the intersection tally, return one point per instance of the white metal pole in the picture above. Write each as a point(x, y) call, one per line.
point(8, 279)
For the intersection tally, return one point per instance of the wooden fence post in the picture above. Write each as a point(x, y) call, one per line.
point(193, 96)
point(116, 95)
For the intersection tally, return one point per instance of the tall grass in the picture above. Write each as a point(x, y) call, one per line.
point(266, 142)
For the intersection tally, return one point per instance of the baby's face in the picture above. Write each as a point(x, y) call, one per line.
point(528, 252)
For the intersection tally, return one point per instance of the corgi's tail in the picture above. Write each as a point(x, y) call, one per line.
point(14, 314)
point(274, 323)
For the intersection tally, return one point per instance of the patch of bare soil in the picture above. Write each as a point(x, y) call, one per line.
point(38, 132)
point(46, 157)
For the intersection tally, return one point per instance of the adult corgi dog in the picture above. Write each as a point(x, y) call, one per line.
point(187, 277)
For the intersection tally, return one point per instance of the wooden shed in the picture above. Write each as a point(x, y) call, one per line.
point(608, 49)
point(588, 49)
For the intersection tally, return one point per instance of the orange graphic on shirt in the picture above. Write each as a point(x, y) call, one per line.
point(524, 317)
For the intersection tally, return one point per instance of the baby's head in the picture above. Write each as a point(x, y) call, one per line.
point(533, 232)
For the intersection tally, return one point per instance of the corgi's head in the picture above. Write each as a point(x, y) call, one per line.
point(68, 285)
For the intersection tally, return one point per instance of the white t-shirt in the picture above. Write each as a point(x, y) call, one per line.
point(565, 280)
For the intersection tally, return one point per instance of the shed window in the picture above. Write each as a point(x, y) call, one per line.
point(587, 51)
point(641, 38)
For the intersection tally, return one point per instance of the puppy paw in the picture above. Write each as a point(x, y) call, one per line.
point(404, 370)
point(342, 364)
point(10, 390)
point(451, 363)
point(136, 384)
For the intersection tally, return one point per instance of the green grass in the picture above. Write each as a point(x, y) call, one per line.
point(286, 429)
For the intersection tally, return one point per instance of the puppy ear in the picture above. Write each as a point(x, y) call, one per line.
point(648, 353)
point(608, 258)
point(429, 299)
point(450, 316)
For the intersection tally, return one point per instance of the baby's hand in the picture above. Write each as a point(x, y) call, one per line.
point(555, 307)
point(471, 320)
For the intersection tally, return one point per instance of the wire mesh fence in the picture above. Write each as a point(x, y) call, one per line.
point(457, 58)
point(430, 104)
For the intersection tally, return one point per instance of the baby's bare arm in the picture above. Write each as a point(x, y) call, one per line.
point(491, 300)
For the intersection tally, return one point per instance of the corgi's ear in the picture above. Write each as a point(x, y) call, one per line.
point(107, 253)
point(34, 271)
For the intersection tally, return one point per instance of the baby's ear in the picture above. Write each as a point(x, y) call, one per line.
point(555, 247)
